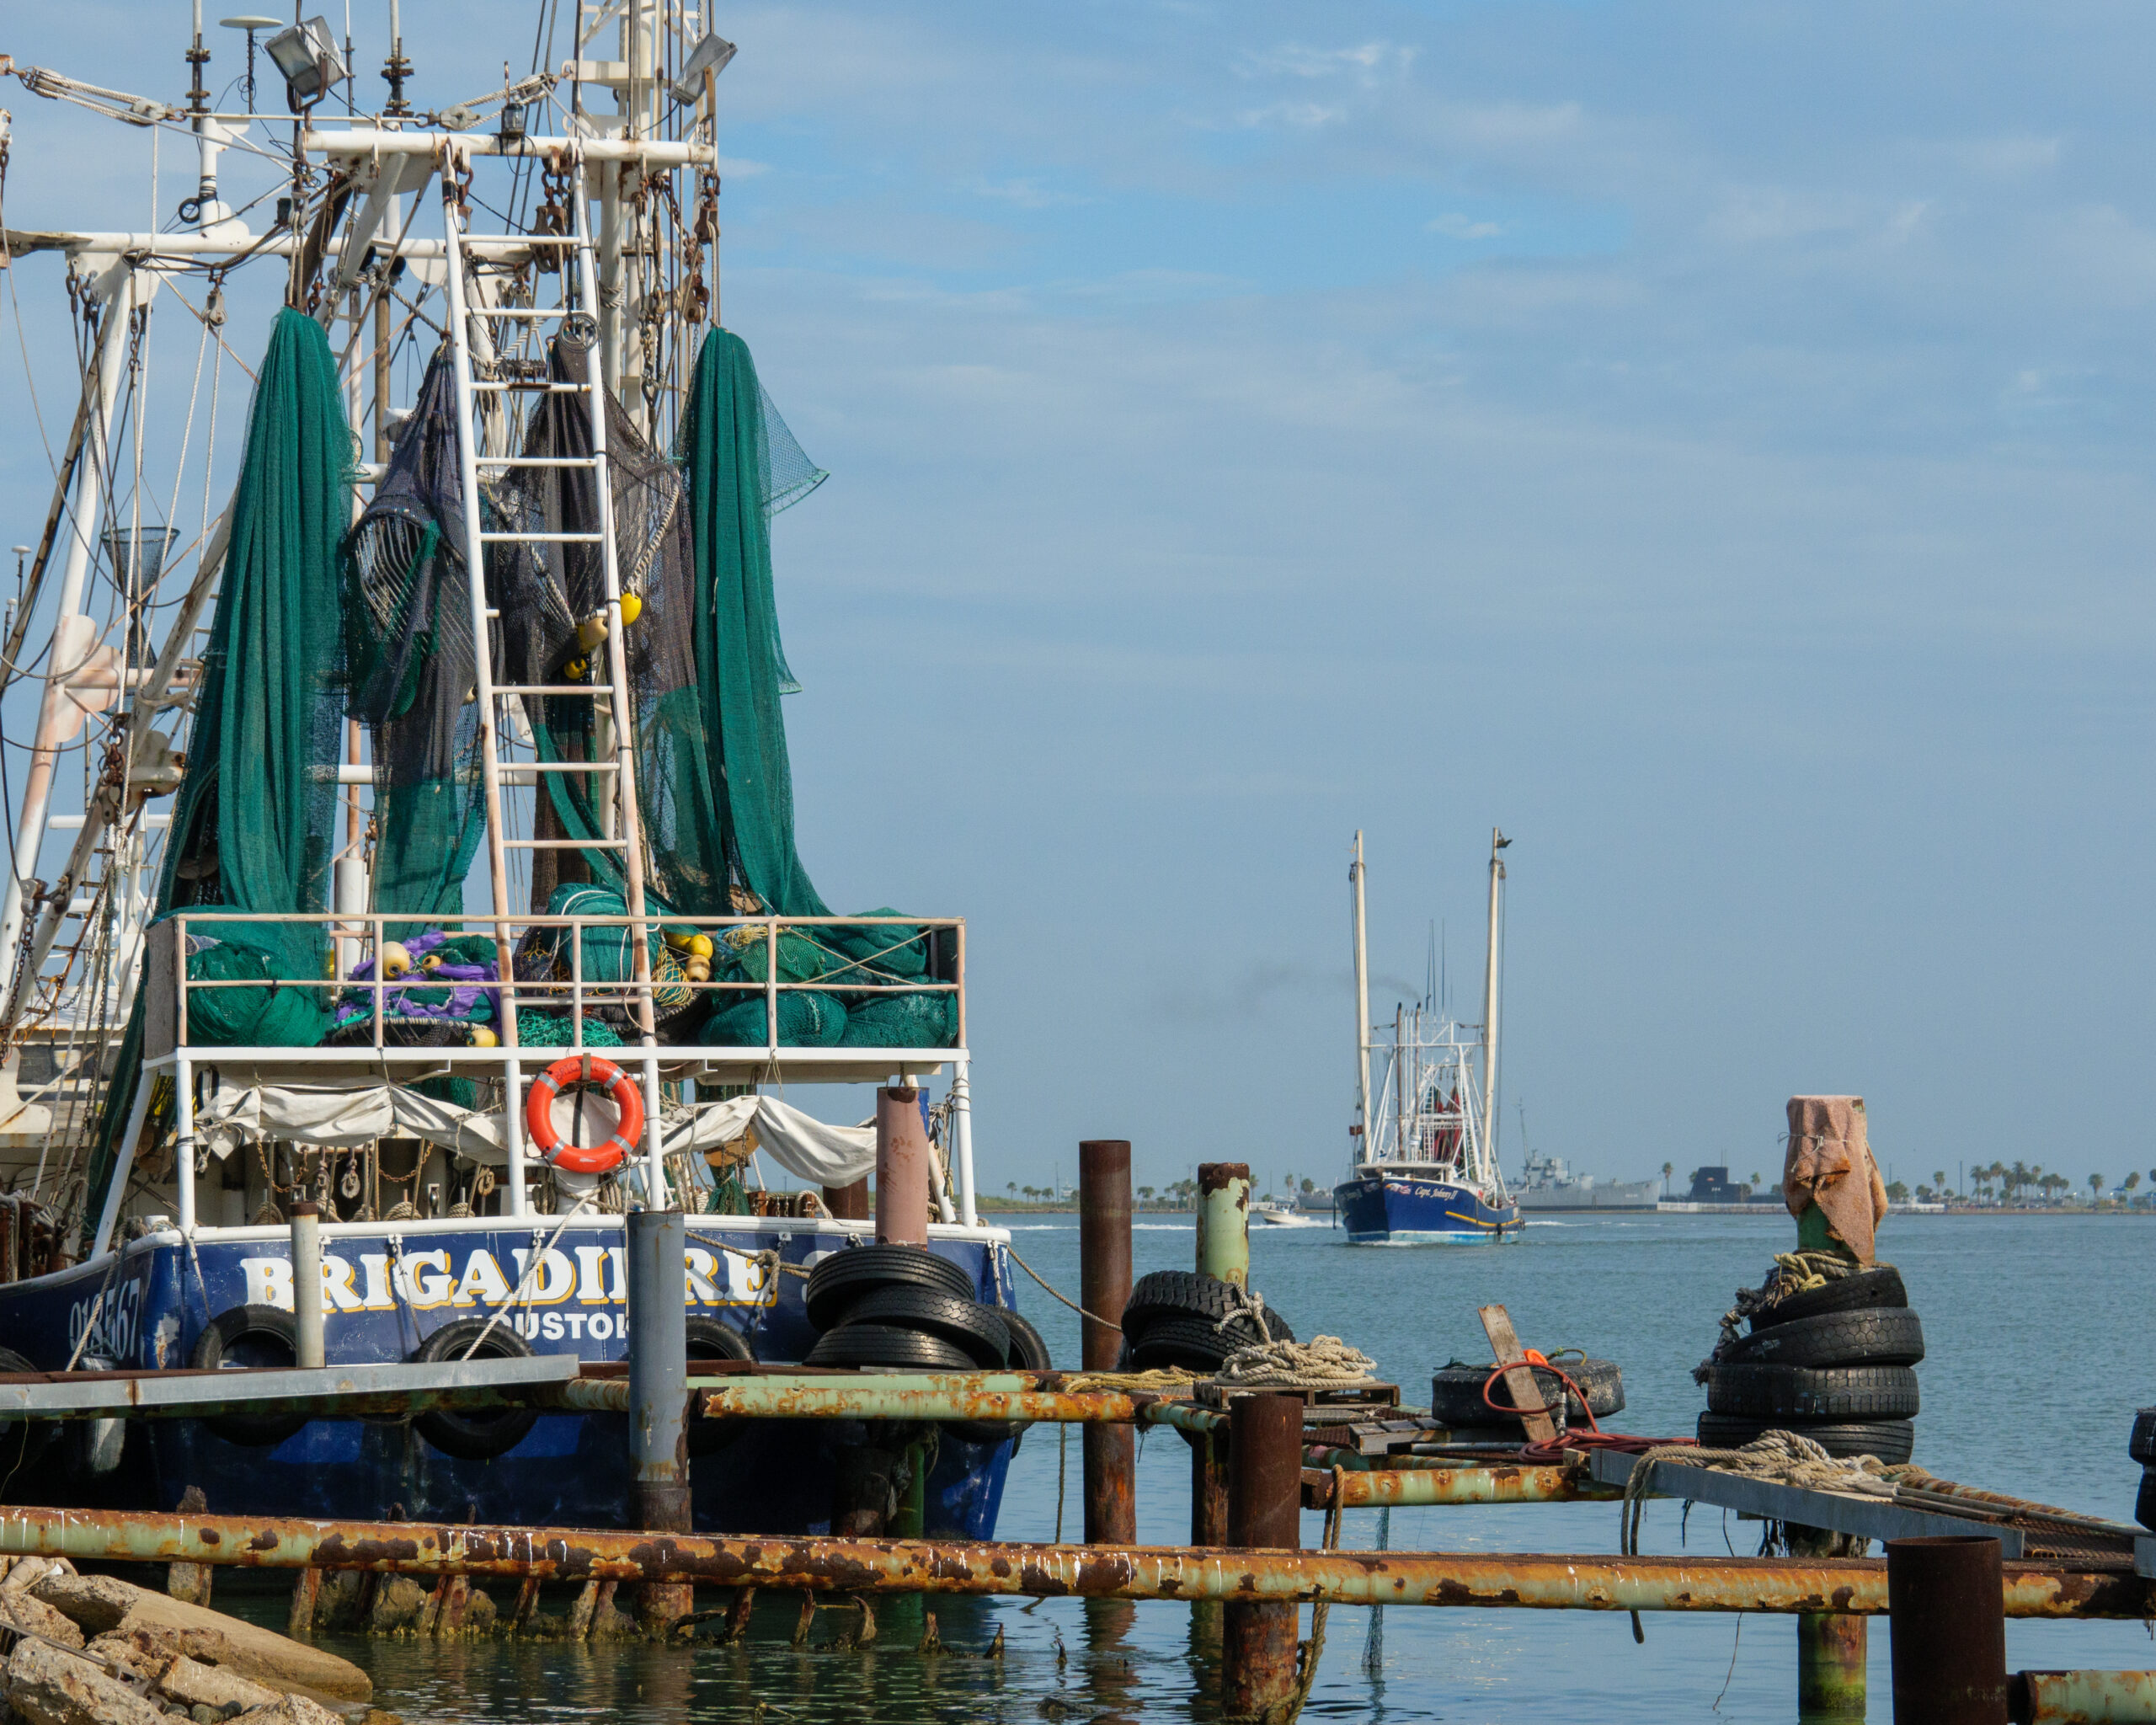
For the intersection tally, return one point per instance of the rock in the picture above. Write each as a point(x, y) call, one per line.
point(378, 1715)
point(129, 1658)
point(613, 1624)
point(50, 1687)
point(275, 1661)
point(97, 1602)
point(479, 1613)
point(397, 1602)
point(20, 1611)
point(204, 1716)
point(288, 1709)
point(337, 1605)
point(198, 1684)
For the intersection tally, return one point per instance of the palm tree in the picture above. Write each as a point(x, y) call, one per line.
point(1669, 1168)
point(2096, 1187)
point(1939, 1180)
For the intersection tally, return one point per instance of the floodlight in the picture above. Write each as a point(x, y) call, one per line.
point(307, 55)
point(710, 56)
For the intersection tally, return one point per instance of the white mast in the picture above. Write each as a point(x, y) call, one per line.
point(1497, 842)
point(1362, 1004)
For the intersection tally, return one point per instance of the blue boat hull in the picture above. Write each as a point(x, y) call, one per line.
point(1394, 1208)
point(572, 1469)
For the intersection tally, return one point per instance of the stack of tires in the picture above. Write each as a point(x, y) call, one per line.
point(1833, 1363)
point(1181, 1320)
point(1463, 1395)
point(903, 1306)
point(2142, 1446)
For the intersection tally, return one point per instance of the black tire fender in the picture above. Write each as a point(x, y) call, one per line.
point(1824, 1394)
point(1456, 1393)
point(1196, 1343)
point(837, 1281)
point(475, 1434)
point(2141, 1445)
point(2144, 1501)
point(978, 1329)
point(1892, 1441)
point(881, 1344)
point(1878, 1335)
point(250, 1336)
point(1879, 1285)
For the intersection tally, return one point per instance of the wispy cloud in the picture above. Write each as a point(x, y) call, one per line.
point(1454, 226)
point(1366, 63)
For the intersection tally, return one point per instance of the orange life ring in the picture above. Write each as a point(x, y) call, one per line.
point(581, 1158)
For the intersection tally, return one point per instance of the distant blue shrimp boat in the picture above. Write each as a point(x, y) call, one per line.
point(1425, 1171)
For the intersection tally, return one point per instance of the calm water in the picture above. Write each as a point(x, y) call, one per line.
point(2038, 1357)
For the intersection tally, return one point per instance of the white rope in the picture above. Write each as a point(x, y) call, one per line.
point(1326, 1362)
point(1787, 1458)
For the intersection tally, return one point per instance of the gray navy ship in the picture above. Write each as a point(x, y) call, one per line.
point(1548, 1183)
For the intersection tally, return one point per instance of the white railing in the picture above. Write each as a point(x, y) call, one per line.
point(576, 994)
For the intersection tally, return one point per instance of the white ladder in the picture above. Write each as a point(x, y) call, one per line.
point(622, 769)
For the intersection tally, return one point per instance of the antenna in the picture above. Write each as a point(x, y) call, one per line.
point(250, 22)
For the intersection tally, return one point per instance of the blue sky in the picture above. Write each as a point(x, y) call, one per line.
point(1710, 441)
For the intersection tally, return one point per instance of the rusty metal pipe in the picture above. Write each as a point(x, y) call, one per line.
point(903, 1162)
point(1534, 1581)
point(1224, 1221)
point(1111, 1452)
point(1949, 1640)
point(1265, 1512)
point(902, 1396)
point(2081, 1697)
point(1382, 1487)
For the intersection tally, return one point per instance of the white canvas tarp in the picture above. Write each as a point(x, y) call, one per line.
point(345, 1115)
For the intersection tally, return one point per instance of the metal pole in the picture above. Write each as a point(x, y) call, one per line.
point(1491, 959)
point(306, 1282)
point(184, 1138)
point(1361, 1002)
point(1111, 1452)
point(1831, 1650)
point(82, 531)
point(962, 1136)
point(1948, 1630)
point(1224, 1221)
point(902, 1167)
point(1265, 1463)
point(658, 1394)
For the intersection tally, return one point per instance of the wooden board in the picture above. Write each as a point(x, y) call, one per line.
point(1498, 1325)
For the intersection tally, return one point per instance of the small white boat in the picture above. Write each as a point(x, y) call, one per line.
point(1277, 1215)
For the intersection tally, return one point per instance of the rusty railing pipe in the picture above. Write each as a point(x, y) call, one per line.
point(1532, 1581)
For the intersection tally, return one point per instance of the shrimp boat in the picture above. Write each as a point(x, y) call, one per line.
point(1425, 1168)
point(475, 609)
